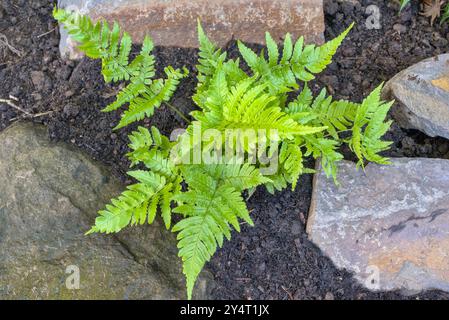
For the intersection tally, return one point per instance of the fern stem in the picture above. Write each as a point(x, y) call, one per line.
point(178, 112)
point(326, 136)
point(341, 131)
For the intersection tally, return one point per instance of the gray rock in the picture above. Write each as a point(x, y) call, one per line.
point(49, 196)
point(389, 225)
point(422, 93)
point(173, 23)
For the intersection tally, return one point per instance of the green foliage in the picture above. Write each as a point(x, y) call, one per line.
point(272, 100)
point(155, 189)
point(211, 206)
point(445, 14)
point(368, 127)
point(403, 4)
point(99, 41)
point(299, 61)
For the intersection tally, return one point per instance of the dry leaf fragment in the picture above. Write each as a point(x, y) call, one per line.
point(432, 9)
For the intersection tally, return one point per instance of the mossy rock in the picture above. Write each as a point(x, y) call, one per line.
point(49, 196)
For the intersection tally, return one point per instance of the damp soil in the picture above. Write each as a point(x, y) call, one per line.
point(274, 259)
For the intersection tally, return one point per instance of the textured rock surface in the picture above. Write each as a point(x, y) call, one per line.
point(393, 219)
point(173, 22)
point(422, 93)
point(49, 195)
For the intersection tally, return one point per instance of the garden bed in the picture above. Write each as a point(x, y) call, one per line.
point(273, 260)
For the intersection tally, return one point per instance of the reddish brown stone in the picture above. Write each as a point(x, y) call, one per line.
point(173, 22)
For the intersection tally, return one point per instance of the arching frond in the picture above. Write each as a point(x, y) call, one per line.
point(98, 41)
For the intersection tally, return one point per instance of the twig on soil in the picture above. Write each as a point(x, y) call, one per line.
point(243, 279)
point(41, 114)
point(290, 296)
point(48, 32)
point(4, 43)
point(10, 103)
point(26, 114)
point(33, 116)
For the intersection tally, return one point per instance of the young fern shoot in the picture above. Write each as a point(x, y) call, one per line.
point(208, 195)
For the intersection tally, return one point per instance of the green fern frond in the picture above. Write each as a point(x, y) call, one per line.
point(376, 128)
point(403, 3)
point(99, 42)
point(326, 150)
point(212, 65)
point(288, 49)
point(143, 142)
point(335, 115)
point(273, 50)
point(252, 108)
point(252, 60)
point(131, 205)
point(209, 57)
point(139, 203)
point(142, 69)
point(233, 72)
point(240, 177)
point(210, 206)
point(129, 93)
point(82, 30)
point(216, 94)
point(315, 60)
point(297, 63)
point(155, 94)
point(369, 127)
point(198, 238)
point(277, 182)
point(291, 158)
point(153, 150)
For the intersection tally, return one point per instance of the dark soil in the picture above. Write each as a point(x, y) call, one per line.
point(273, 260)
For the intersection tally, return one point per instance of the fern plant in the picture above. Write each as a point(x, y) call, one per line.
point(273, 98)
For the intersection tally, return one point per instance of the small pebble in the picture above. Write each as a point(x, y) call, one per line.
point(71, 110)
point(329, 296)
point(399, 28)
point(69, 93)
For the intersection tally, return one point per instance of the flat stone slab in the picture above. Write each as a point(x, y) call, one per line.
point(389, 225)
point(49, 196)
point(422, 93)
point(174, 22)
